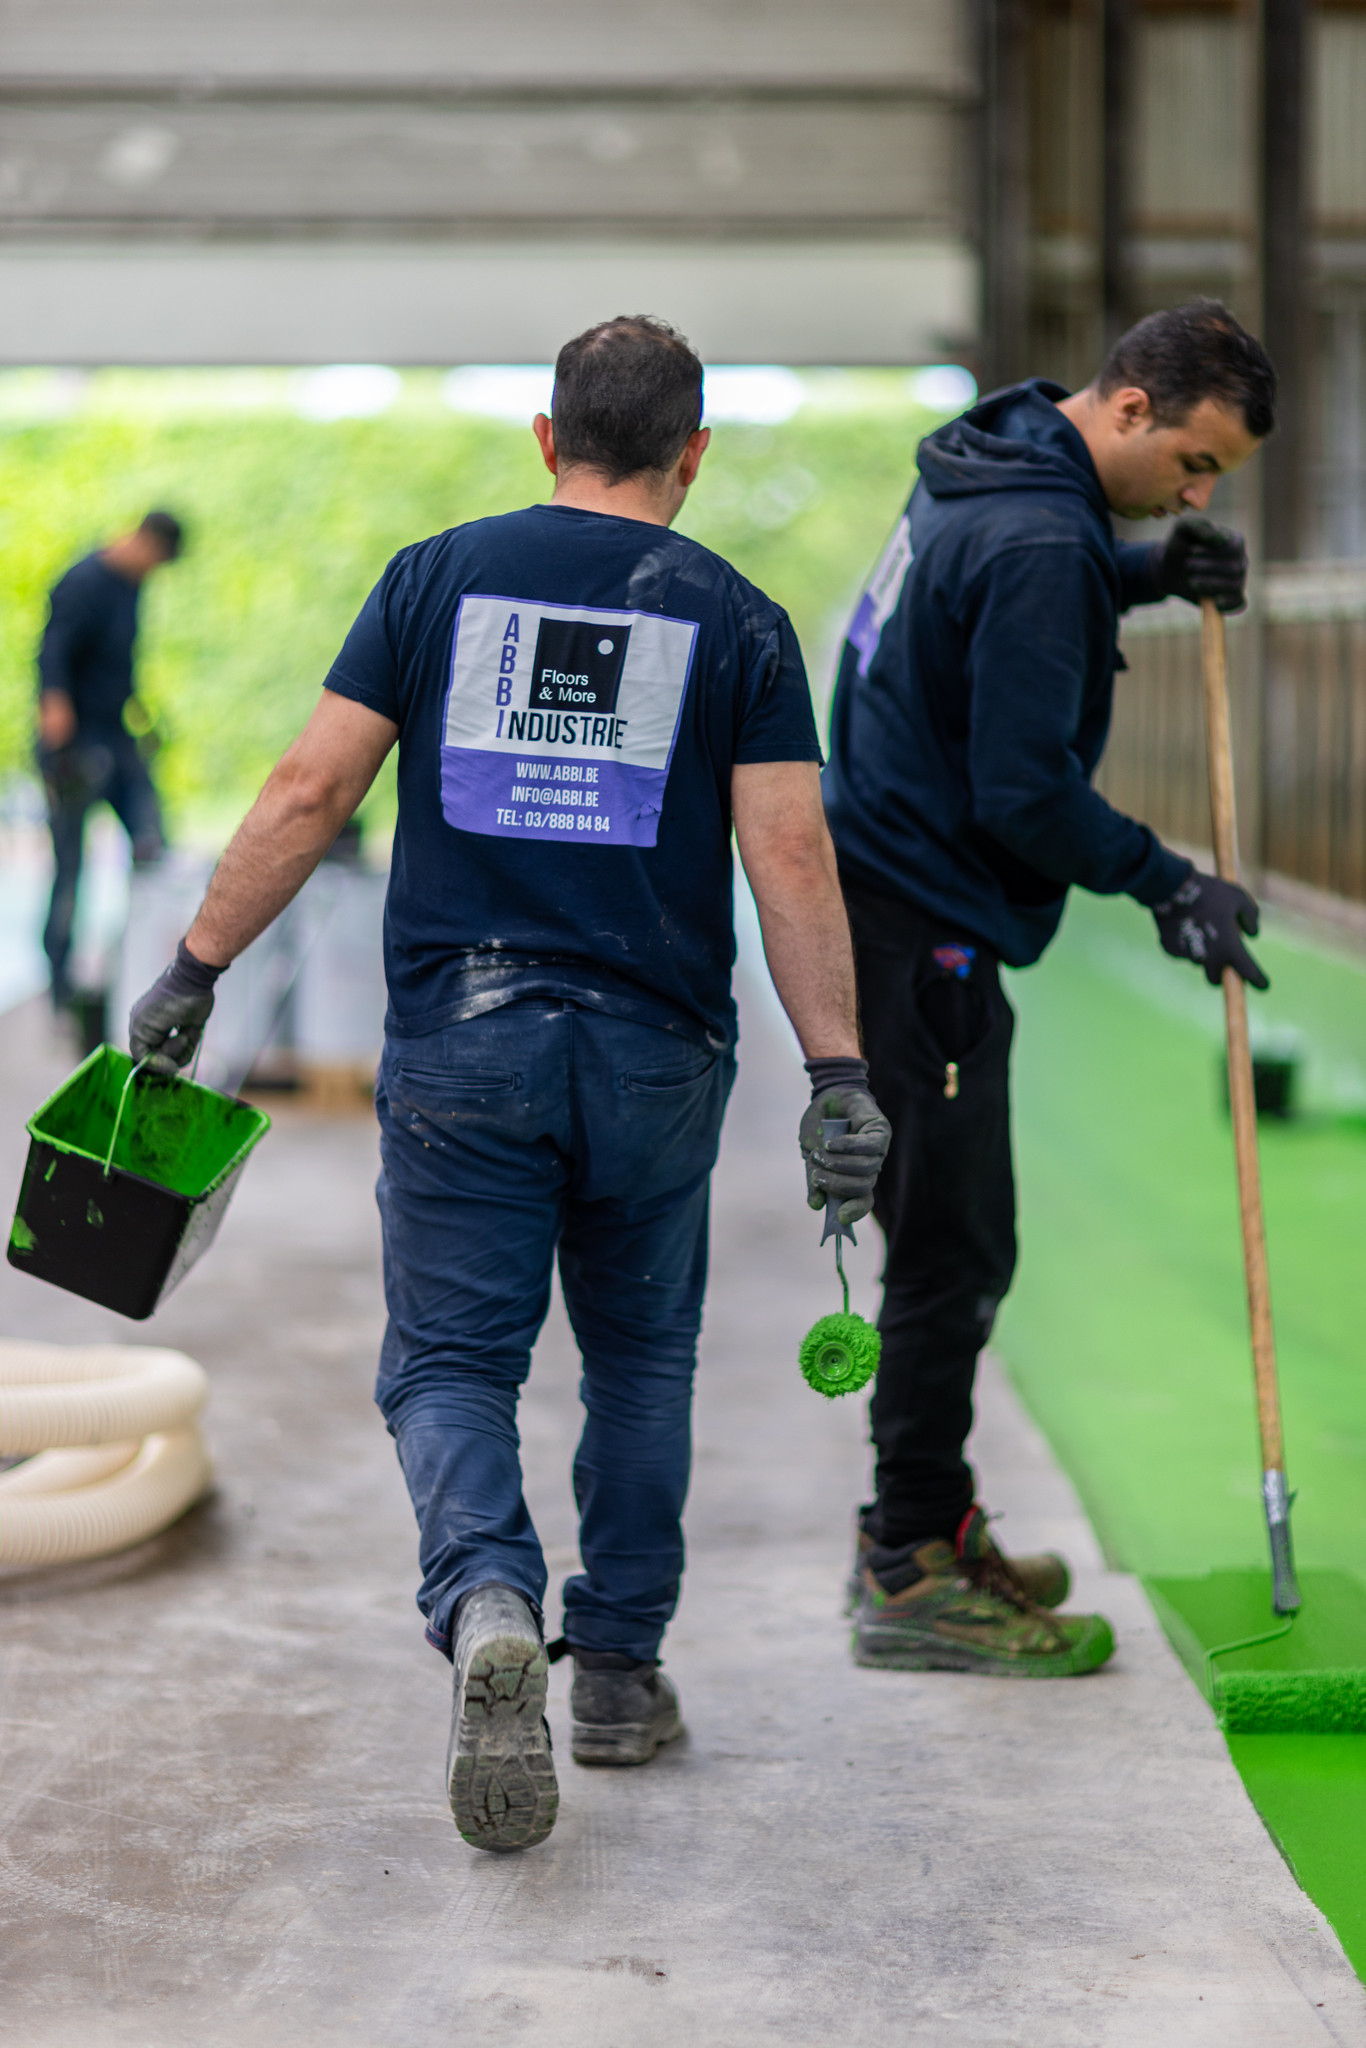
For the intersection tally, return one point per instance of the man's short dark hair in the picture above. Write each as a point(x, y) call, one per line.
point(1190, 353)
point(627, 396)
point(166, 530)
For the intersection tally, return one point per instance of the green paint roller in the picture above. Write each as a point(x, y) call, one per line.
point(1307, 1674)
point(840, 1353)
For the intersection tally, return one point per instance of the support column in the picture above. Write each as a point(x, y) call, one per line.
point(1006, 212)
point(1284, 270)
point(1116, 101)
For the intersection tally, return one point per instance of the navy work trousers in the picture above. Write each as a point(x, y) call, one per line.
point(937, 1031)
point(538, 1129)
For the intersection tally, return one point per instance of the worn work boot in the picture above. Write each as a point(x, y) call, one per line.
point(1042, 1577)
point(499, 1771)
point(623, 1711)
point(942, 1610)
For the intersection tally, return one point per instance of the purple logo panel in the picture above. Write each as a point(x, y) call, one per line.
point(584, 803)
point(864, 632)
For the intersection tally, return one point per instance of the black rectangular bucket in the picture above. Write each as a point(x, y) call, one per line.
point(127, 1179)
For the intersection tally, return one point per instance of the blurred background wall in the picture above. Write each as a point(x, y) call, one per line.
point(879, 181)
point(1142, 150)
point(1001, 184)
point(1136, 152)
point(439, 180)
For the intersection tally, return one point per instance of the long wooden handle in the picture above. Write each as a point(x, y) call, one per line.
point(1242, 1096)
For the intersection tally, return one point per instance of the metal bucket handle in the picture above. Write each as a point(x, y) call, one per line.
point(123, 1097)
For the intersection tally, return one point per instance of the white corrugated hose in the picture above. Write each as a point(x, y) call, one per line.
point(110, 1438)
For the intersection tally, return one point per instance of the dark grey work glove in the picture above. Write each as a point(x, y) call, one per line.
point(166, 1025)
point(1204, 922)
point(1204, 560)
point(847, 1166)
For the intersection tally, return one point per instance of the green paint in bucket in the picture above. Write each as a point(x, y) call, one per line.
point(127, 1179)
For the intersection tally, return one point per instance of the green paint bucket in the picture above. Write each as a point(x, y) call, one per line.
point(127, 1179)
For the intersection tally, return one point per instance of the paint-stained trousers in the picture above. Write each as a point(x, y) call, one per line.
point(537, 1131)
point(937, 1031)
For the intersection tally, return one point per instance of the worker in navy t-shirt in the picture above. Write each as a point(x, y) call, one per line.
point(970, 714)
point(585, 704)
point(86, 754)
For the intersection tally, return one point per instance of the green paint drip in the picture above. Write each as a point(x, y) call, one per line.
point(21, 1237)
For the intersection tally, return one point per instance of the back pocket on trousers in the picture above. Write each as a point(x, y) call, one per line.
point(669, 1080)
point(436, 1092)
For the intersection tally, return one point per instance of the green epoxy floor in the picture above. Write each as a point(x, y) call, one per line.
point(1311, 1792)
point(1126, 1330)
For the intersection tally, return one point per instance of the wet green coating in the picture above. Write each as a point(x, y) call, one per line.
point(172, 1131)
point(840, 1354)
point(1127, 1326)
point(1311, 1792)
point(1126, 1331)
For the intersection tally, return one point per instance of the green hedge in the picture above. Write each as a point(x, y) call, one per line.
point(291, 522)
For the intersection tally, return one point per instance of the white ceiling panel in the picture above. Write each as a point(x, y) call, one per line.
point(830, 301)
point(518, 43)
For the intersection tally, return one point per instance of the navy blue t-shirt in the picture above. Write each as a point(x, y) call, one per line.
point(87, 647)
point(572, 691)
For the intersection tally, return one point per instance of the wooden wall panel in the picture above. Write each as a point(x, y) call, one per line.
point(1313, 795)
point(1193, 138)
point(1337, 154)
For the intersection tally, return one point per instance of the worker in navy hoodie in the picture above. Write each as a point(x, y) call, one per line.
point(970, 714)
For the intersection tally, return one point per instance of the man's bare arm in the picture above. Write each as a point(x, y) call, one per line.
point(788, 856)
point(56, 720)
point(311, 792)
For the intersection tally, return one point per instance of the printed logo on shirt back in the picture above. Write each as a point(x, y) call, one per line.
point(578, 665)
point(879, 599)
point(561, 720)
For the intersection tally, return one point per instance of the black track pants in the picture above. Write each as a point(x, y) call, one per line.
point(937, 1031)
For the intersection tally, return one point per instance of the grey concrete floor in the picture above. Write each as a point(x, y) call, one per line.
point(223, 1815)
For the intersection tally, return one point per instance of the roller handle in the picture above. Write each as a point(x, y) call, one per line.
point(1243, 1105)
point(835, 1127)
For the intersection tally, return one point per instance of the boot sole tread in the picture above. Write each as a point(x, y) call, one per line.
point(501, 1777)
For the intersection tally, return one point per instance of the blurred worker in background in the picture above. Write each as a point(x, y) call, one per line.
point(970, 714)
point(584, 705)
point(86, 753)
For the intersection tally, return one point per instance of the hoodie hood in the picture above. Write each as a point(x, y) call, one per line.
point(1014, 440)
